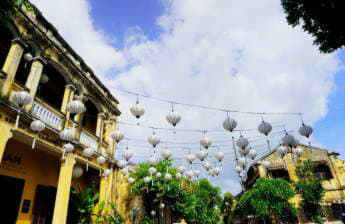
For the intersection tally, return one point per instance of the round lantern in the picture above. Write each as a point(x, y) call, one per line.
point(147, 179)
point(305, 130)
point(197, 173)
point(167, 176)
point(21, 98)
point(238, 169)
point(127, 155)
point(101, 160)
point(152, 170)
point(207, 165)
point(173, 118)
point(158, 174)
point(266, 163)
point(117, 136)
point(190, 158)
point(178, 175)
point(219, 156)
point(265, 128)
point(28, 57)
point(289, 140)
point(37, 126)
point(44, 79)
point(181, 169)
point(190, 174)
point(124, 171)
point(153, 213)
point(67, 148)
point(137, 110)
point(242, 142)
point(122, 163)
point(229, 124)
point(297, 151)
point(89, 152)
point(76, 107)
point(67, 135)
point(77, 171)
point(106, 172)
point(216, 171)
point(166, 154)
point(152, 160)
point(161, 205)
point(206, 142)
point(131, 180)
point(244, 152)
point(252, 154)
point(154, 140)
point(282, 150)
point(202, 154)
point(242, 162)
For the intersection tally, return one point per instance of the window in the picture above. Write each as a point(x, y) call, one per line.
point(279, 173)
point(5, 44)
point(322, 171)
point(90, 117)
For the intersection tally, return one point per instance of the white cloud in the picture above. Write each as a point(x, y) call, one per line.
point(239, 55)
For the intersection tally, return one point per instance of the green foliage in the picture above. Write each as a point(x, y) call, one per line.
point(107, 213)
point(196, 202)
point(311, 191)
point(85, 203)
point(8, 9)
point(320, 18)
point(268, 198)
point(146, 220)
point(227, 207)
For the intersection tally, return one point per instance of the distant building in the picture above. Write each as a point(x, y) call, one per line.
point(328, 167)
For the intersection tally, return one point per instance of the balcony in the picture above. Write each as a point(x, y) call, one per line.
point(88, 140)
point(47, 114)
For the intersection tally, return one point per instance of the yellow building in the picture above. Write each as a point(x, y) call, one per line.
point(328, 167)
point(35, 184)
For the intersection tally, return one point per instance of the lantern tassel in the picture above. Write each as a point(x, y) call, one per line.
point(33, 143)
point(87, 165)
point(100, 172)
point(17, 121)
point(63, 154)
point(268, 145)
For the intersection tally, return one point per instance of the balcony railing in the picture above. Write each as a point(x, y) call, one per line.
point(47, 114)
point(88, 140)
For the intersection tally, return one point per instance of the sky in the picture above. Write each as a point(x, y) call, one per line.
point(238, 55)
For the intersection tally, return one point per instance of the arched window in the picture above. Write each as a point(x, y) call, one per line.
point(24, 67)
point(5, 44)
point(52, 91)
point(90, 117)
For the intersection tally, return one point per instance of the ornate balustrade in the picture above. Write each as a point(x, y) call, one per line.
point(88, 140)
point(47, 114)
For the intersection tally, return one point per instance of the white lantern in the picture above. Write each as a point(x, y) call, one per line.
point(44, 79)
point(77, 171)
point(216, 171)
point(122, 163)
point(173, 118)
point(101, 160)
point(158, 174)
point(167, 176)
point(181, 169)
point(161, 205)
point(242, 162)
point(178, 175)
point(154, 140)
point(242, 142)
point(147, 179)
point(137, 110)
point(190, 173)
point(282, 150)
point(288, 140)
point(37, 126)
point(76, 107)
point(197, 173)
point(89, 152)
point(305, 130)
point(67, 148)
point(166, 154)
point(190, 158)
point(117, 136)
point(28, 57)
point(238, 169)
point(127, 155)
point(106, 172)
point(22, 99)
point(67, 135)
point(152, 170)
point(131, 180)
point(153, 213)
point(211, 172)
point(252, 154)
point(152, 160)
point(244, 152)
point(229, 124)
point(202, 154)
point(266, 164)
point(207, 165)
point(206, 142)
point(219, 156)
point(297, 151)
point(124, 171)
point(265, 128)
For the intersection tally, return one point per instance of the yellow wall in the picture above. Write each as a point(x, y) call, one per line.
point(35, 168)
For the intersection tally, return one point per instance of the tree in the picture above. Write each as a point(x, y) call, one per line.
point(227, 207)
point(268, 199)
point(8, 9)
point(311, 190)
point(321, 19)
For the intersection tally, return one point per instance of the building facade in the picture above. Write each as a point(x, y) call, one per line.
point(36, 183)
point(327, 166)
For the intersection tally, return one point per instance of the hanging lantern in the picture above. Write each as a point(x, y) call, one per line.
point(216, 171)
point(154, 140)
point(88, 152)
point(305, 130)
point(117, 136)
point(158, 174)
point(190, 174)
point(21, 99)
point(206, 142)
point(37, 126)
point(244, 152)
point(297, 151)
point(202, 154)
point(166, 154)
point(131, 180)
point(76, 107)
point(190, 158)
point(122, 163)
point(28, 57)
point(167, 176)
point(161, 205)
point(152, 170)
point(153, 213)
point(101, 160)
point(265, 128)
point(77, 171)
point(152, 160)
point(67, 135)
point(147, 179)
point(137, 110)
point(238, 169)
point(181, 169)
point(244, 176)
point(266, 164)
point(67, 148)
point(173, 117)
point(124, 171)
point(44, 79)
point(242, 142)
point(106, 172)
point(197, 173)
point(207, 165)
point(252, 154)
point(219, 156)
point(229, 124)
point(282, 150)
point(242, 162)
point(289, 140)
point(178, 175)
point(127, 155)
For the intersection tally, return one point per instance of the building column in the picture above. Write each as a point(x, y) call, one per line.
point(34, 78)
point(100, 125)
point(104, 188)
point(262, 171)
point(63, 190)
point(291, 166)
point(11, 65)
point(67, 97)
point(6, 134)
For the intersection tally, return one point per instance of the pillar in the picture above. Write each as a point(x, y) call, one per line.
point(34, 78)
point(100, 126)
point(290, 166)
point(6, 134)
point(63, 190)
point(262, 171)
point(11, 65)
point(67, 97)
point(103, 188)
